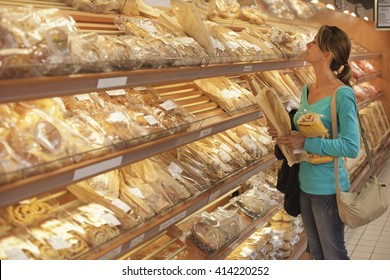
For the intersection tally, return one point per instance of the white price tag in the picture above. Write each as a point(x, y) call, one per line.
point(137, 240)
point(111, 219)
point(224, 156)
point(239, 148)
point(158, 3)
point(174, 169)
point(248, 68)
point(15, 254)
point(268, 44)
point(116, 92)
point(121, 205)
point(214, 196)
point(137, 192)
point(151, 120)
point(226, 147)
point(205, 132)
point(168, 105)
point(97, 168)
point(58, 243)
point(117, 117)
point(185, 40)
point(112, 82)
point(83, 97)
point(173, 220)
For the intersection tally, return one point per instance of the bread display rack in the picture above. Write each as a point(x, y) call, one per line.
point(176, 84)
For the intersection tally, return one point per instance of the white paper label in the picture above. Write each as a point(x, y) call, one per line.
point(140, 88)
point(168, 105)
point(205, 132)
point(226, 147)
point(268, 44)
point(196, 170)
point(224, 156)
point(16, 254)
point(264, 140)
point(151, 120)
point(247, 68)
point(175, 170)
point(239, 148)
point(158, 3)
point(116, 92)
point(83, 97)
point(121, 205)
point(137, 192)
point(137, 240)
point(58, 243)
point(112, 82)
point(173, 220)
point(97, 168)
point(111, 219)
point(214, 195)
point(117, 117)
point(185, 40)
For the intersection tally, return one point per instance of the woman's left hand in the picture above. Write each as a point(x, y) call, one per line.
point(296, 140)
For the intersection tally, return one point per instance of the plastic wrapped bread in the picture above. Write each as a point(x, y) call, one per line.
point(35, 42)
point(91, 218)
point(16, 244)
point(142, 193)
point(175, 169)
point(228, 95)
point(62, 235)
point(160, 180)
point(253, 202)
point(94, 6)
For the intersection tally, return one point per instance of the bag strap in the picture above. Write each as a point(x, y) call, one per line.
point(334, 136)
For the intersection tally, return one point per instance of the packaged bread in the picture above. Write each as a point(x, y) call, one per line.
point(252, 202)
point(136, 189)
point(94, 6)
point(229, 221)
point(207, 235)
point(46, 52)
point(96, 222)
point(62, 235)
point(17, 245)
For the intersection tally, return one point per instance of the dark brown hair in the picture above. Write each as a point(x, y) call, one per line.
point(334, 40)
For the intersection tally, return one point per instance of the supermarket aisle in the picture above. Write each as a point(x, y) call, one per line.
point(372, 242)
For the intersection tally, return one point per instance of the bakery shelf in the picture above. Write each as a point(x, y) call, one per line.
point(365, 56)
point(158, 224)
point(367, 102)
point(59, 178)
point(14, 90)
point(367, 77)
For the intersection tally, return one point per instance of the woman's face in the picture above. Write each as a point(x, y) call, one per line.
point(313, 52)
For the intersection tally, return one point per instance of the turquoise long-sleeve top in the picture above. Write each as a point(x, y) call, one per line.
point(319, 179)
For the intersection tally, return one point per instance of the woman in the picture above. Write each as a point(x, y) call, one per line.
point(328, 54)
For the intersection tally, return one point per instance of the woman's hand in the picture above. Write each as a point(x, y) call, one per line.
point(296, 140)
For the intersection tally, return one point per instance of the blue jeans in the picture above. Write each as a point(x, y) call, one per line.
point(324, 229)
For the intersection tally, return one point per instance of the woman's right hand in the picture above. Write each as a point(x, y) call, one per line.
point(272, 132)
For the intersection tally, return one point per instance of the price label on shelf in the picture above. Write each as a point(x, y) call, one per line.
point(205, 132)
point(247, 68)
point(97, 168)
point(214, 195)
point(137, 240)
point(112, 82)
point(173, 220)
